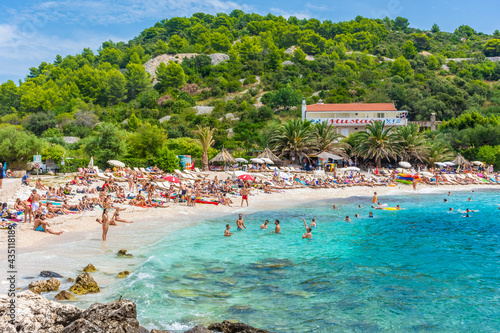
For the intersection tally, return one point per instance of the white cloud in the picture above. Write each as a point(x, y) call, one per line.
point(287, 14)
point(19, 50)
point(124, 12)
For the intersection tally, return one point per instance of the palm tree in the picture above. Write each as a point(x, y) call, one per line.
point(327, 138)
point(438, 152)
point(376, 142)
point(411, 142)
point(293, 138)
point(204, 136)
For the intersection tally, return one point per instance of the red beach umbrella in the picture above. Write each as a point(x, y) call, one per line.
point(246, 176)
point(172, 179)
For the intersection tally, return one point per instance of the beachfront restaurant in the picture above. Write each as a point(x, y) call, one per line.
point(352, 117)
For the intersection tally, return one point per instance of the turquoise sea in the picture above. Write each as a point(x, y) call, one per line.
point(423, 268)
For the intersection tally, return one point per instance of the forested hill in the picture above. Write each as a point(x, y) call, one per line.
point(272, 63)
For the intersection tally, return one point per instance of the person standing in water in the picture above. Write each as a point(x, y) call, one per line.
point(227, 233)
point(313, 223)
point(308, 233)
point(105, 224)
point(239, 223)
point(277, 230)
point(375, 199)
point(264, 225)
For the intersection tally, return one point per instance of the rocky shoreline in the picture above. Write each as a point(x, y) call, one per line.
point(35, 313)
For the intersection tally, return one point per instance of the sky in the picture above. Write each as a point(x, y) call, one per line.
point(35, 31)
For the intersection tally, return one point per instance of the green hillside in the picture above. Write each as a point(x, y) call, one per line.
point(118, 111)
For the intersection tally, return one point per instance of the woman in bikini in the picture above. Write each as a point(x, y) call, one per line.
point(24, 207)
point(105, 223)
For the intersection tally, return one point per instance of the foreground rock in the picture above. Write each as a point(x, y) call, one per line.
point(198, 329)
point(85, 284)
point(119, 317)
point(44, 286)
point(36, 314)
point(228, 327)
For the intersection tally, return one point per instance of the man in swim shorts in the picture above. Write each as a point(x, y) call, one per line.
point(35, 201)
point(244, 195)
point(239, 223)
point(43, 226)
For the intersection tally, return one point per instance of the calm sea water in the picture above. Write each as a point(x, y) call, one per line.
point(419, 269)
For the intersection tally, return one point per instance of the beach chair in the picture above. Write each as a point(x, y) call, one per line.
point(204, 174)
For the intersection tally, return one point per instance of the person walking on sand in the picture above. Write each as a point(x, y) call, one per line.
point(244, 195)
point(414, 184)
point(227, 233)
point(239, 223)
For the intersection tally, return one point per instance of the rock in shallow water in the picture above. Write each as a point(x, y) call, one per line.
point(228, 327)
point(123, 274)
point(123, 253)
point(50, 274)
point(90, 268)
point(65, 296)
point(196, 276)
point(43, 286)
point(85, 284)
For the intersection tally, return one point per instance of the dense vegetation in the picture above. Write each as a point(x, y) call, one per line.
point(113, 105)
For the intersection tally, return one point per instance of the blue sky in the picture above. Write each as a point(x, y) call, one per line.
point(35, 31)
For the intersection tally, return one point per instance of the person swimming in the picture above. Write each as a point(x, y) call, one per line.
point(264, 225)
point(451, 209)
point(445, 200)
point(370, 214)
point(227, 233)
point(335, 207)
point(308, 233)
point(313, 223)
point(356, 215)
point(347, 219)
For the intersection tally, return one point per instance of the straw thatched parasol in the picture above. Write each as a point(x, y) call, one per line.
point(223, 156)
point(460, 160)
point(267, 153)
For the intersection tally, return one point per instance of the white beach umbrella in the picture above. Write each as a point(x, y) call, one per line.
point(477, 163)
point(352, 169)
point(257, 160)
point(439, 163)
point(267, 160)
point(449, 163)
point(242, 160)
point(116, 163)
point(405, 164)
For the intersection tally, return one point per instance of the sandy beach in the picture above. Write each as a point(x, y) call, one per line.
point(79, 226)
